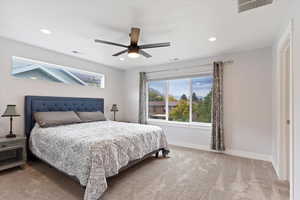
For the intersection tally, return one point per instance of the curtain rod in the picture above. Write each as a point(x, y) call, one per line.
point(176, 69)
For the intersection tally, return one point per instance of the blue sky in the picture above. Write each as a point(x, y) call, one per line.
point(158, 85)
point(201, 86)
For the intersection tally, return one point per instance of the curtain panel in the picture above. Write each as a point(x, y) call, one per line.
point(217, 142)
point(143, 98)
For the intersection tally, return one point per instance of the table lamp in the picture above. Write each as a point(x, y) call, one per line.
point(114, 109)
point(10, 112)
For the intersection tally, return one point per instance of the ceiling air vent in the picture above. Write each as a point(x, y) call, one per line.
point(245, 5)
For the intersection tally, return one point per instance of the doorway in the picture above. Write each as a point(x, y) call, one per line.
point(286, 114)
point(285, 139)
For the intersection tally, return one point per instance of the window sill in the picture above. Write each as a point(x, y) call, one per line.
point(205, 126)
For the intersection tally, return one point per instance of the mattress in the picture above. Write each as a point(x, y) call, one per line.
point(93, 151)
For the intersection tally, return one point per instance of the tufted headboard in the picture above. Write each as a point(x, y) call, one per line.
point(45, 104)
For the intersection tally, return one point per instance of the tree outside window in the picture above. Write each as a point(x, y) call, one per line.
point(183, 96)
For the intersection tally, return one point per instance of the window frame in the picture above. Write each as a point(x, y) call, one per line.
point(189, 124)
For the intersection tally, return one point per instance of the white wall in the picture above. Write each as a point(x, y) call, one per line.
point(247, 99)
point(275, 106)
point(13, 90)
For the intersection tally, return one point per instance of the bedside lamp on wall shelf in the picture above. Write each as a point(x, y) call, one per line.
point(11, 112)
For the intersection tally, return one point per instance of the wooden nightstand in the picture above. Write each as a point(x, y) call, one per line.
point(12, 152)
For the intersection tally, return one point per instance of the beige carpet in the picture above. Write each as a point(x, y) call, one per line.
point(186, 175)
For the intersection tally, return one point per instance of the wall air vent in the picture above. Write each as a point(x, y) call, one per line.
point(245, 5)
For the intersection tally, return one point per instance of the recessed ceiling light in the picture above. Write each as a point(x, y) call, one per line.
point(212, 39)
point(46, 31)
point(122, 59)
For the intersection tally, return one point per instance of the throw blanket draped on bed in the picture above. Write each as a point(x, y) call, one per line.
point(94, 151)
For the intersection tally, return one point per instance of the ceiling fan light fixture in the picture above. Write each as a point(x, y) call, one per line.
point(134, 50)
point(133, 53)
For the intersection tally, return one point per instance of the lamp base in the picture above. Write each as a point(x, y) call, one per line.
point(10, 135)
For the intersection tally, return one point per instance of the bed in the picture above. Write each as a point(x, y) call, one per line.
point(89, 152)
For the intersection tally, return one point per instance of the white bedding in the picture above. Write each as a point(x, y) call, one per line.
point(93, 151)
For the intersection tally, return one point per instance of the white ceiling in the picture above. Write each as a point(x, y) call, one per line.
point(187, 24)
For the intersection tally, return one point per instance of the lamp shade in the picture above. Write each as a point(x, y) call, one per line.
point(10, 111)
point(114, 108)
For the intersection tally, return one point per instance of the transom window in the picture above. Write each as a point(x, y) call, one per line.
point(181, 100)
point(38, 70)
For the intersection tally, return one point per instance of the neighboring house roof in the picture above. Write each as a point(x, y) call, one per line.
point(73, 76)
point(160, 103)
point(59, 75)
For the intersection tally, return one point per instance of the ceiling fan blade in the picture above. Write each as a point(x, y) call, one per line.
point(144, 53)
point(121, 52)
point(157, 45)
point(110, 43)
point(134, 36)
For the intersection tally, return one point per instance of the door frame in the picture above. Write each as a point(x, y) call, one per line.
point(285, 42)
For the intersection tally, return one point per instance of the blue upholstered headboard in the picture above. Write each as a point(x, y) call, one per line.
point(48, 104)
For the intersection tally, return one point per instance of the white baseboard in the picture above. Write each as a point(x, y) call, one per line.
point(247, 154)
point(244, 154)
point(192, 146)
point(276, 168)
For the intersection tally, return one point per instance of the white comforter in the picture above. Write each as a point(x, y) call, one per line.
point(93, 151)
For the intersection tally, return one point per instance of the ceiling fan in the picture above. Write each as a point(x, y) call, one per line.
point(134, 50)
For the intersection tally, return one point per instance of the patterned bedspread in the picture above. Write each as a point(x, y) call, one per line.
point(91, 152)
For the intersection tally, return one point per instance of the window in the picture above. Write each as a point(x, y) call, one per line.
point(32, 69)
point(181, 100)
point(156, 100)
point(201, 99)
